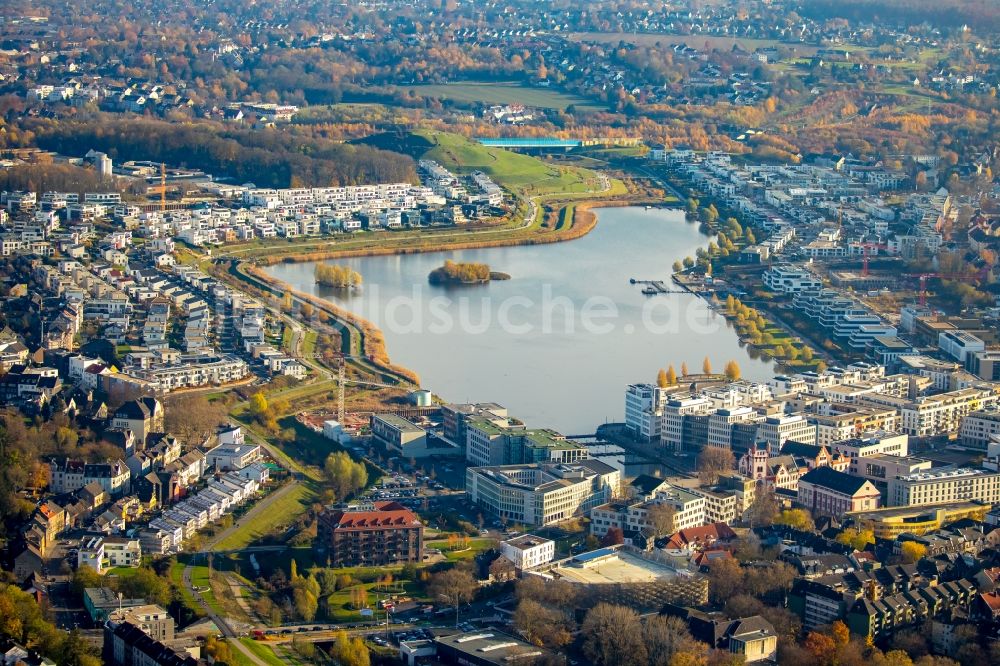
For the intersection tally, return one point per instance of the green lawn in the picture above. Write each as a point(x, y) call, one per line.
point(262, 651)
point(187, 597)
point(281, 512)
point(340, 601)
point(521, 173)
point(240, 659)
point(476, 546)
point(502, 93)
point(200, 579)
point(309, 343)
point(121, 572)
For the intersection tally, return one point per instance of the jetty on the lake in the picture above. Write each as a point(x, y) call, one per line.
point(654, 287)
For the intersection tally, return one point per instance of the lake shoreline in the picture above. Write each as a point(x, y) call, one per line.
point(629, 244)
point(584, 221)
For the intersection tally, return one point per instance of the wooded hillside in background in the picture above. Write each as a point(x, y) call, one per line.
point(267, 158)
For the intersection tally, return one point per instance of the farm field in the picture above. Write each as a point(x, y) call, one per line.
point(501, 93)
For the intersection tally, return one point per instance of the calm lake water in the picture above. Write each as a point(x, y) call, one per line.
point(560, 340)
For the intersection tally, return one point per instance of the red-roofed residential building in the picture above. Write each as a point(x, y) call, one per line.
point(376, 534)
point(986, 606)
point(700, 538)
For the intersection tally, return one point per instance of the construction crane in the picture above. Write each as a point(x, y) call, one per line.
point(967, 277)
point(865, 254)
point(163, 187)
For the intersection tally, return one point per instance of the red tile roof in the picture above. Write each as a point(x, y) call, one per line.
point(385, 514)
point(701, 536)
point(991, 599)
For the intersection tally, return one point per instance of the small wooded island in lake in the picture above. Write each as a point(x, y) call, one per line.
point(337, 276)
point(464, 273)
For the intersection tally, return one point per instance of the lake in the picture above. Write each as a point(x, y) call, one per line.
point(558, 342)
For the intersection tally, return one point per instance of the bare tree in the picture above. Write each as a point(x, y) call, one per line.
point(712, 461)
point(193, 418)
point(668, 636)
point(661, 516)
point(454, 587)
point(764, 508)
point(541, 625)
point(613, 636)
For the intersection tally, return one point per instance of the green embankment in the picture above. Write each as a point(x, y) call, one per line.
point(283, 510)
point(520, 173)
point(262, 651)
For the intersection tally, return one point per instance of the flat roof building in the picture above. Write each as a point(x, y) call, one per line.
point(400, 435)
point(542, 493)
point(528, 551)
point(487, 648)
point(952, 485)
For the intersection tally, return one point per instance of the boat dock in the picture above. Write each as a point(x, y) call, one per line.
point(654, 287)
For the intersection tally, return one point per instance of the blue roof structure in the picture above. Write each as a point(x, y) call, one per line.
point(530, 143)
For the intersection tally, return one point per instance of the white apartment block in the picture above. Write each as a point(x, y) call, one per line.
point(960, 345)
point(689, 511)
point(776, 430)
point(942, 414)
point(542, 494)
point(720, 507)
point(979, 428)
point(789, 279)
point(838, 426)
point(720, 425)
point(689, 508)
point(91, 554)
point(226, 369)
point(674, 411)
point(644, 411)
point(122, 552)
point(528, 551)
point(232, 456)
point(957, 485)
point(873, 444)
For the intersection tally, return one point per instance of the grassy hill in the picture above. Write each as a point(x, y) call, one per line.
point(521, 173)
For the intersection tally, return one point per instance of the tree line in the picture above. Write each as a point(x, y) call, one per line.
point(267, 158)
point(669, 377)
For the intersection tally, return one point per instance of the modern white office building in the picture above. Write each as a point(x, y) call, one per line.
point(542, 493)
point(674, 412)
point(644, 411)
point(776, 430)
point(720, 425)
point(877, 443)
point(528, 551)
point(953, 485)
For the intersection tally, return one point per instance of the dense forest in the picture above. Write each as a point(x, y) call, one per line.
point(267, 158)
point(62, 178)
